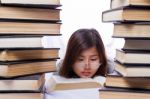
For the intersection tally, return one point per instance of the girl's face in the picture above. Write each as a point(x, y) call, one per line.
point(87, 63)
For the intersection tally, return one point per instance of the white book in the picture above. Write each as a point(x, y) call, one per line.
point(41, 2)
point(21, 42)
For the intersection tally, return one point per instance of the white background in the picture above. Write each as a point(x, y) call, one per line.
point(77, 14)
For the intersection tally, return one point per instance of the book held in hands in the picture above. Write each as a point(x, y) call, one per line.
point(58, 83)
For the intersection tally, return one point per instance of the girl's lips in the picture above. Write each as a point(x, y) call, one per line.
point(86, 73)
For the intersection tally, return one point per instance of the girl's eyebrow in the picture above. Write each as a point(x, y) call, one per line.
point(93, 55)
point(81, 56)
point(90, 55)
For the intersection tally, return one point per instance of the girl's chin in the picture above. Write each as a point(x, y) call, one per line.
point(85, 76)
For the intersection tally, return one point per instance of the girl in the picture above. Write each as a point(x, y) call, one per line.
point(85, 56)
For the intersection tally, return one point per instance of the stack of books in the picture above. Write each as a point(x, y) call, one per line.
point(131, 20)
point(23, 59)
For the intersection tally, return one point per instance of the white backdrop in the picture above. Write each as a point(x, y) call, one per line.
point(77, 14)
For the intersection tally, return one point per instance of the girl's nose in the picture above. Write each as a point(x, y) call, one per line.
point(87, 65)
point(86, 61)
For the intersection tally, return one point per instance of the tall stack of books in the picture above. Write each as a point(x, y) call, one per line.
point(131, 78)
point(23, 59)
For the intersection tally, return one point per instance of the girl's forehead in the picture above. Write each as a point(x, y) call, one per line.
point(89, 52)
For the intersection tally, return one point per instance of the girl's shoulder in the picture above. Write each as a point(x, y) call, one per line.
point(59, 64)
point(110, 65)
point(100, 79)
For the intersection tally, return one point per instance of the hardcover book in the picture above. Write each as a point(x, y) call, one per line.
point(28, 54)
point(137, 44)
point(131, 30)
point(22, 68)
point(121, 93)
point(126, 14)
point(133, 70)
point(32, 3)
point(29, 14)
point(133, 57)
point(29, 28)
point(20, 42)
point(21, 96)
point(30, 83)
point(120, 3)
point(115, 80)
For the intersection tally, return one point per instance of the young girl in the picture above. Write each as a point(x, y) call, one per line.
point(85, 56)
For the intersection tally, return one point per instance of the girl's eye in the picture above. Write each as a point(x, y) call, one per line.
point(94, 59)
point(79, 59)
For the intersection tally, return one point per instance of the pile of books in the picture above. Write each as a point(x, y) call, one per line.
point(131, 78)
point(23, 59)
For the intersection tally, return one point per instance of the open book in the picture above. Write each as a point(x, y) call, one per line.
point(57, 83)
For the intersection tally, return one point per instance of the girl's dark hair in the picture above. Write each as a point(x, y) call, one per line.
point(80, 41)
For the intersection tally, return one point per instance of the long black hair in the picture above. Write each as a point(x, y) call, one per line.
point(80, 41)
